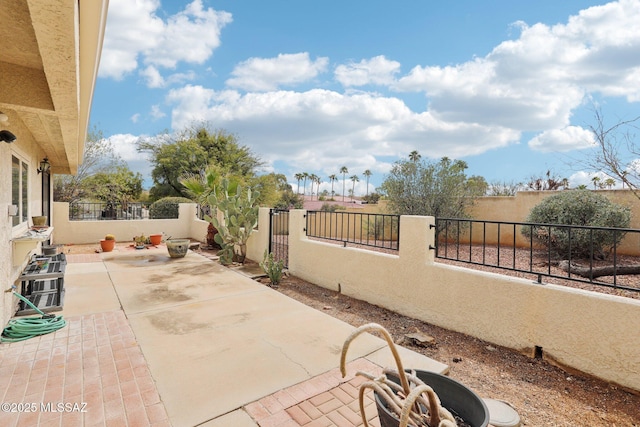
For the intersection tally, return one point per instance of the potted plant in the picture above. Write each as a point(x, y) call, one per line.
point(420, 397)
point(108, 243)
point(140, 241)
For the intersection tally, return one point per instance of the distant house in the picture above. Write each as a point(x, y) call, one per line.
point(49, 57)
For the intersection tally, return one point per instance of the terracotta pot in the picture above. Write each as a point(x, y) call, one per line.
point(107, 245)
point(155, 239)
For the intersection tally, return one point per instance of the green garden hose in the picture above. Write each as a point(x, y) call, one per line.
point(23, 329)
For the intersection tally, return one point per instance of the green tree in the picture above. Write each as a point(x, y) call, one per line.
point(367, 174)
point(354, 179)
point(98, 156)
point(121, 185)
point(609, 183)
point(305, 175)
point(298, 177)
point(313, 178)
point(344, 171)
point(270, 188)
point(333, 178)
point(414, 156)
point(440, 189)
point(191, 152)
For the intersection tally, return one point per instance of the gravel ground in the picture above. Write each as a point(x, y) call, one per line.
point(542, 394)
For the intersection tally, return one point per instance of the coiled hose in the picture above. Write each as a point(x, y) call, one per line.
point(23, 329)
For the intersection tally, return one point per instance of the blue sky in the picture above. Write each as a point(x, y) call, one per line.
point(507, 86)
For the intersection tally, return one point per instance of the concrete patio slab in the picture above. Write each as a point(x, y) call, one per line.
point(261, 338)
point(215, 347)
point(88, 292)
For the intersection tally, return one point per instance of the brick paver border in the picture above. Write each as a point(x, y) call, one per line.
point(323, 401)
point(94, 367)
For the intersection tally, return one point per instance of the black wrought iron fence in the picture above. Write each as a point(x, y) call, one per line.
point(95, 211)
point(596, 255)
point(374, 230)
point(279, 235)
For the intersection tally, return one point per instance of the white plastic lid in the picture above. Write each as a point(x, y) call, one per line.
point(501, 414)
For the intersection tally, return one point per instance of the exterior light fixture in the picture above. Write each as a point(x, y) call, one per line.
point(44, 165)
point(7, 136)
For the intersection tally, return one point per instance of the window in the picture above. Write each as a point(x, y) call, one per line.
point(20, 190)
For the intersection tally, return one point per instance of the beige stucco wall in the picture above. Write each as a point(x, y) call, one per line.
point(587, 331)
point(517, 208)
point(259, 240)
point(80, 232)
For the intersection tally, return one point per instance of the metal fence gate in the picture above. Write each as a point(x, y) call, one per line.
point(279, 234)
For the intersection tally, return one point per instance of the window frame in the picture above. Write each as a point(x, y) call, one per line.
point(22, 166)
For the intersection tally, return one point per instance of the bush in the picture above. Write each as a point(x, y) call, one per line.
point(328, 207)
point(372, 198)
point(167, 207)
point(578, 208)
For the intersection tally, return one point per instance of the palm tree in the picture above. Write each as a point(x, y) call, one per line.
point(313, 178)
point(609, 182)
point(344, 171)
point(332, 178)
point(299, 177)
point(596, 181)
point(414, 156)
point(305, 175)
point(367, 174)
point(354, 179)
point(318, 181)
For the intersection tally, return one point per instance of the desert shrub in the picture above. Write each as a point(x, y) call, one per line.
point(371, 199)
point(273, 268)
point(167, 207)
point(577, 208)
point(328, 207)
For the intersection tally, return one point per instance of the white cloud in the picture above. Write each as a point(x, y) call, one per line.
point(562, 140)
point(125, 146)
point(378, 70)
point(264, 74)
point(152, 77)
point(535, 81)
point(156, 113)
point(135, 118)
point(134, 32)
point(326, 129)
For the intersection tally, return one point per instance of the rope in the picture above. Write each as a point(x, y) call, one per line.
point(23, 329)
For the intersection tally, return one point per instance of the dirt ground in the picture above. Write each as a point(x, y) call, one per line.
point(542, 394)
